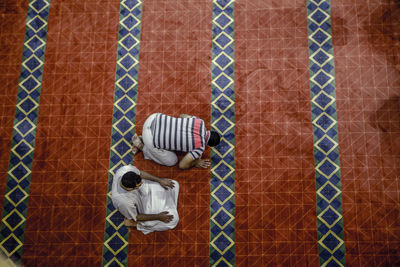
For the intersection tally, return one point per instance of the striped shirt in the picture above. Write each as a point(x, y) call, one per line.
point(179, 134)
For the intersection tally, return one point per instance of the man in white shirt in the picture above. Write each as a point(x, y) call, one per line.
point(147, 202)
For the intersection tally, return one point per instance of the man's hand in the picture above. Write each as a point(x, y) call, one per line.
point(129, 223)
point(165, 183)
point(165, 217)
point(188, 162)
point(202, 163)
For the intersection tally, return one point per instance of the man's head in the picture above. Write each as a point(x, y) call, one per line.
point(214, 139)
point(131, 181)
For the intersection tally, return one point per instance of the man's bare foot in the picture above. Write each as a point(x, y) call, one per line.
point(137, 144)
point(129, 223)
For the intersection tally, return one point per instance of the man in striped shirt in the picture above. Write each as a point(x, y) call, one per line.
point(163, 134)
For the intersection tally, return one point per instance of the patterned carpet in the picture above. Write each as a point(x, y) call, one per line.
point(305, 94)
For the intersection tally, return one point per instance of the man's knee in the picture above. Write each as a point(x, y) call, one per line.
point(171, 161)
point(174, 221)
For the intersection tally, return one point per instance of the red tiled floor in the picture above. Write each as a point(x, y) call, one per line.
point(12, 34)
point(274, 158)
point(365, 39)
point(175, 78)
point(66, 213)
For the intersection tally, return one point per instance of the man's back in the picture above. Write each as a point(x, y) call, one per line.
point(179, 134)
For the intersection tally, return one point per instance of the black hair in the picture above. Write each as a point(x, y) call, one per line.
point(214, 140)
point(130, 180)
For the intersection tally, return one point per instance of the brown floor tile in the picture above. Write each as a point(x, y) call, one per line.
point(271, 101)
point(367, 80)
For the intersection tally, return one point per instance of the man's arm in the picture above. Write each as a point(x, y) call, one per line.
point(163, 216)
point(164, 182)
point(188, 162)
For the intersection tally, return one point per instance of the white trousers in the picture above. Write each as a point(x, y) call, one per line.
point(156, 199)
point(161, 156)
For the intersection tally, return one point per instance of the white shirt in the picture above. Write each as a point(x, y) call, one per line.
point(149, 198)
point(127, 202)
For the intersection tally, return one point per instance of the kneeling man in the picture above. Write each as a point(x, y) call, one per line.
point(147, 202)
point(163, 134)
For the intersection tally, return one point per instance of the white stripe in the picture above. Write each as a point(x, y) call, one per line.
point(173, 134)
point(168, 133)
point(183, 136)
point(162, 141)
point(191, 137)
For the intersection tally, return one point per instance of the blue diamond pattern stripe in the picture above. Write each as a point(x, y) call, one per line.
point(223, 3)
point(115, 243)
point(327, 168)
point(223, 124)
point(32, 63)
point(323, 100)
point(222, 217)
point(19, 172)
point(129, 42)
point(326, 144)
point(319, 37)
point(127, 62)
point(117, 218)
point(24, 127)
point(130, 22)
point(223, 20)
point(321, 78)
point(35, 43)
point(325, 122)
point(122, 148)
point(14, 219)
point(39, 4)
point(222, 242)
point(329, 191)
point(222, 82)
point(124, 116)
point(130, 3)
point(330, 216)
point(223, 40)
point(36, 24)
point(30, 84)
point(10, 244)
point(125, 104)
point(27, 105)
point(215, 255)
point(320, 57)
point(24, 130)
point(223, 61)
point(223, 102)
point(16, 195)
point(324, 126)
point(126, 82)
point(123, 125)
point(222, 119)
point(222, 193)
point(318, 16)
point(222, 170)
point(22, 149)
point(331, 242)
point(222, 147)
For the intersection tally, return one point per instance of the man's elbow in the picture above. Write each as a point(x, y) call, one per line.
point(184, 165)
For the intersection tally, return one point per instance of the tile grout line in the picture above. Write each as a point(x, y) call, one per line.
point(222, 184)
point(24, 132)
point(116, 235)
point(325, 131)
